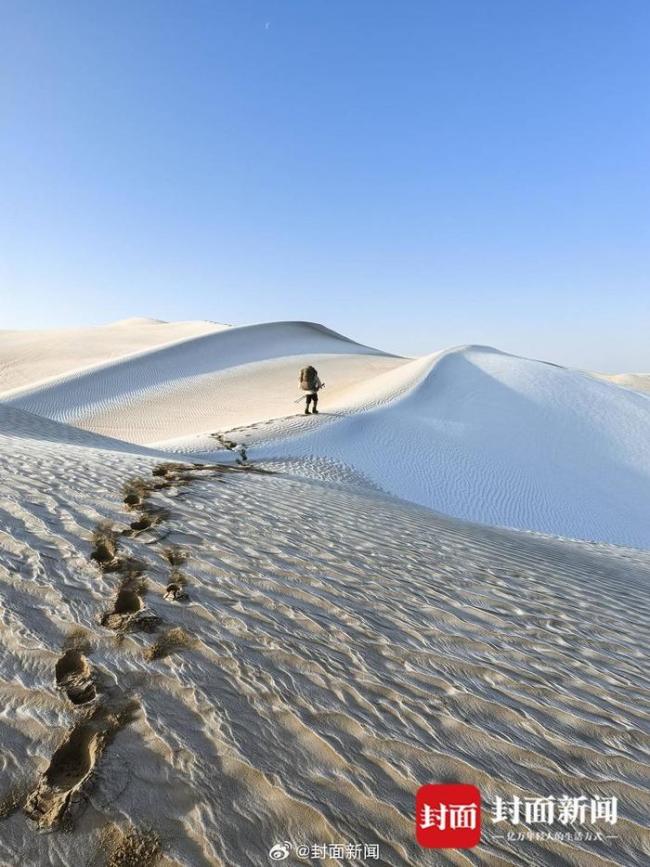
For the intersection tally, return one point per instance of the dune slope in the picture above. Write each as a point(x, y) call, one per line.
point(489, 437)
point(29, 357)
point(189, 386)
point(635, 381)
point(340, 648)
point(471, 432)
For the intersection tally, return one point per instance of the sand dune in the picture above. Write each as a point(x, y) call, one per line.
point(470, 432)
point(635, 381)
point(337, 648)
point(30, 357)
point(19, 424)
point(181, 389)
point(484, 436)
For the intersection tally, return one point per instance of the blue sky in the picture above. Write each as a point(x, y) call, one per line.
point(414, 174)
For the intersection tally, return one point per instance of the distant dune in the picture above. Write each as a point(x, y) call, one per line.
point(635, 381)
point(29, 357)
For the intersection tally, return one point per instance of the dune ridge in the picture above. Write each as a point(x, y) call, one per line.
point(481, 435)
point(33, 358)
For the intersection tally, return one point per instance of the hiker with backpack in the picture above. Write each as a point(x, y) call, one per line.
point(310, 383)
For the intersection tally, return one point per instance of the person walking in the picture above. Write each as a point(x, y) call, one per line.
point(310, 383)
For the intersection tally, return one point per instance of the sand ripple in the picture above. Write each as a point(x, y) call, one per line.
point(348, 648)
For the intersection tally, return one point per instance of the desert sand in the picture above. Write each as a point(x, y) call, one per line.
point(29, 357)
point(198, 662)
point(470, 431)
point(635, 381)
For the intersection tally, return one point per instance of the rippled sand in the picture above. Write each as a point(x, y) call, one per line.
point(344, 648)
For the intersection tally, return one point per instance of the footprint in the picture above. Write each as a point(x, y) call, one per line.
point(129, 612)
point(143, 523)
point(149, 517)
point(175, 555)
point(72, 765)
point(137, 489)
point(176, 591)
point(104, 551)
point(123, 847)
point(168, 468)
point(74, 675)
point(69, 769)
point(128, 602)
point(171, 641)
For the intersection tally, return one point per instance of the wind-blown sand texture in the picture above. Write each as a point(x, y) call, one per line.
point(30, 357)
point(327, 648)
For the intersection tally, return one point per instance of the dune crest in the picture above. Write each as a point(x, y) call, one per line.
point(33, 357)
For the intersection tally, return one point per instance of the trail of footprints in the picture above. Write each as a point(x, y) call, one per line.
point(101, 714)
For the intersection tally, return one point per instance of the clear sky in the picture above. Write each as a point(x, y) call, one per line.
point(413, 174)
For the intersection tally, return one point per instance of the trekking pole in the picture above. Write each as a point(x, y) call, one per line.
point(303, 396)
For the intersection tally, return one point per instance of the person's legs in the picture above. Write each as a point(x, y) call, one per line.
point(307, 404)
point(315, 399)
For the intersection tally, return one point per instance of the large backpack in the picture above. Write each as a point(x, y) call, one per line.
point(308, 378)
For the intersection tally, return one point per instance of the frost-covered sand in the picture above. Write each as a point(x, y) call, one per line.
point(338, 646)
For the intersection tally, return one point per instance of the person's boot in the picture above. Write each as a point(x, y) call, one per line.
point(306, 410)
point(314, 411)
